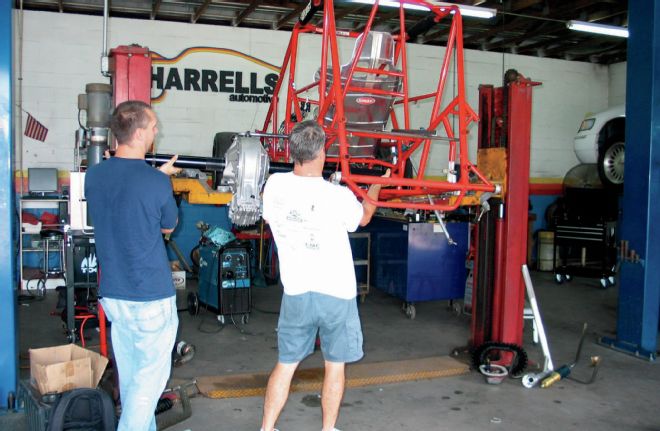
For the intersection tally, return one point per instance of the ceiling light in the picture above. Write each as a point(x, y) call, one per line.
point(473, 11)
point(590, 27)
point(393, 3)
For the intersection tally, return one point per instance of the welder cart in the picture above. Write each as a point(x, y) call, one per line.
point(224, 281)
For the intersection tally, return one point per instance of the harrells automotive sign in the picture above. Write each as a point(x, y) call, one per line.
point(253, 84)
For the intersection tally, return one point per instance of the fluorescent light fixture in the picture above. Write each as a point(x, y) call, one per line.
point(473, 11)
point(393, 3)
point(590, 27)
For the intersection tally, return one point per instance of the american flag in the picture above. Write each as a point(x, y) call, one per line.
point(35, 130)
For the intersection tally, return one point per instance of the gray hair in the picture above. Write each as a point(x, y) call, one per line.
point(306, 140)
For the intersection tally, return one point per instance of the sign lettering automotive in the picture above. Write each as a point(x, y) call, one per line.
point(241, 85)
point(221, 81)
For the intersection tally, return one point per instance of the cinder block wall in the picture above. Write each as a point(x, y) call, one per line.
point(617, 84)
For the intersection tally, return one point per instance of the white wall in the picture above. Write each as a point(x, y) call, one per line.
point(568, 89)
point(61, 53)
point(617, 84)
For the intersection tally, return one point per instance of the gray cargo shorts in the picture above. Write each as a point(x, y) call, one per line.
point(336, 320)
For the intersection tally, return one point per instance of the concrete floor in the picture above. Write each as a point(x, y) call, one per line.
point(624, 397)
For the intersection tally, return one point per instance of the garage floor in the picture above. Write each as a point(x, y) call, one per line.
point(625, 395)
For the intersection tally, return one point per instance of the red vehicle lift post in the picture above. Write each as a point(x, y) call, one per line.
point(500, 291)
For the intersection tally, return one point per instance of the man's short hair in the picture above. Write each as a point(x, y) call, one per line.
point(127, 118)
point(306, 140)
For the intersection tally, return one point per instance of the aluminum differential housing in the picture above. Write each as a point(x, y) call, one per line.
point(246, 168)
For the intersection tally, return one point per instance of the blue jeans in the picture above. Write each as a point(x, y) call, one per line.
point(143, 335)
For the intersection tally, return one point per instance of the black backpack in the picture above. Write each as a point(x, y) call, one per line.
point(83, 410)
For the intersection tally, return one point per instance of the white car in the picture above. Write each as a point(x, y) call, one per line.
point(601, 140)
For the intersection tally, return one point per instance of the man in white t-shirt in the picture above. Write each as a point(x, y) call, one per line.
point(310, 219)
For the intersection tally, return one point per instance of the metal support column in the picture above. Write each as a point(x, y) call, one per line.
point(639, 292)
point(8, 335)
point(483, 278)
point(512, 299)
point(498, 303)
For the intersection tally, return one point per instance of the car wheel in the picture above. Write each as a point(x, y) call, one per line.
point(193, 304)
point(194, 258)
point(611, 164)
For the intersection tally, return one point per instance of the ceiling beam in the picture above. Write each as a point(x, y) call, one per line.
point(245, 12)
point(597, 47)
point(564, 10)
point(590, 46)
point(409, 23)
point(377, 21)
point(433, 35)
point(510, 5)
point(563, 46)
point(341, 13)
point(602, 52)
point(546, 29)
point(155, 5)
point(511, 25)
point(542, 44)
point(602, 14)
point(200, 10)
point(568, 10)
point(523, 4)
point(610, 58)
point(348, 11)
point(289, 16)
point(557, 43)
point(528, 27)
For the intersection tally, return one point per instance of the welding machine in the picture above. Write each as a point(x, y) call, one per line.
point(224, 281)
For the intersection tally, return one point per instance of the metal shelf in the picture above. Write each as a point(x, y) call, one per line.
point(26, 239)
point(362, 288)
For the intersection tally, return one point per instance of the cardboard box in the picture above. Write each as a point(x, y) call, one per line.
point(62, 368)
point(179, 279)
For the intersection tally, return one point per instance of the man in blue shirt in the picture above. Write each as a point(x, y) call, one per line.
point(131, 205)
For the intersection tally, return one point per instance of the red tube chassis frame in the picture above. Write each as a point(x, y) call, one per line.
point(400, 192)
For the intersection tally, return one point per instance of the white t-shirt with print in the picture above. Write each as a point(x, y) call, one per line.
point(310, 219)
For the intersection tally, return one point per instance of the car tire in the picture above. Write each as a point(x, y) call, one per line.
point(611, 164)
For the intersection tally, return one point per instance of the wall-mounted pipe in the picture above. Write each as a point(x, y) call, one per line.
point(105, 61)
